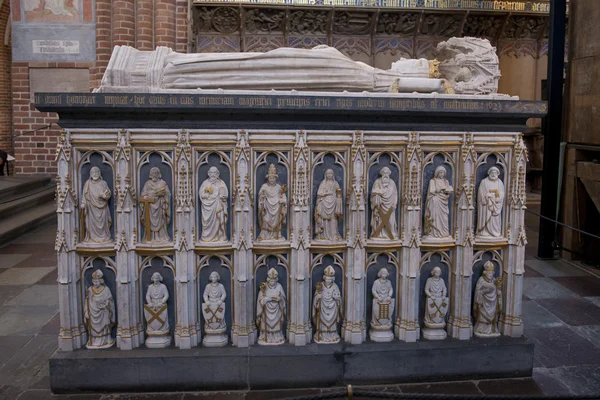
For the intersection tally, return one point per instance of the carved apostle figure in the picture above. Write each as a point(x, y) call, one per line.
point(436, 206)
point(94, 205)
point(213, 310)
point(272, 207)
point(156, 208)
point(327, 308)
point(99, 313)
point(271, 310)
point(384, 200)
point(328, 210)
point(487, 303)
point(490, 199)
point(383, 308)
point(436, 306)
point(156, 313)
point(213, 198)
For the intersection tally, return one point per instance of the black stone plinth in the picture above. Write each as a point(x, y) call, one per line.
point(287, 366)
point(269, 110)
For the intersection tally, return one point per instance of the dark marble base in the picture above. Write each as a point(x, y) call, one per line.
point(285, 367)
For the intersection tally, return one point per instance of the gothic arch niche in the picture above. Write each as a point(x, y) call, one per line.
point(479, 260)
point(165, 267)
point(376, 261)
point(317, 269)
point(428, 262)
point(485, 161)
point(109, 270)
point(104, 161)
point(263, 263)
point(431, 209)
point(378, 161)
point(322, 162)
point(222, 161)
point(222, 264)
point(280, 161)
point(163, 160)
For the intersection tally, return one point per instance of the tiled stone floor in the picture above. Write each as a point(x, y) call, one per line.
point(561, 309)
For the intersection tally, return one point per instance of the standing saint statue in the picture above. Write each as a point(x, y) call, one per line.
point(272, 207)
point(487, 303)
point(383, 308)
point(490, 199)
point(384, 200)
point(94, 206)
point(213, 198)
point(327, 309)
point(436, 206)
point(156, 313)
point(328, 210)
point(156, 208)
point(436, 306)
point(213, 310)
point(99, 313)
point(271, 310)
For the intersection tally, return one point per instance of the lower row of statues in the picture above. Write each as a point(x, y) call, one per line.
point(272, 208)
point(271, 310)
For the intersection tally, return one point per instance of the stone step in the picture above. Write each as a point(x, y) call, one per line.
point(17, 187)
point(27, 200)
point(26, 220)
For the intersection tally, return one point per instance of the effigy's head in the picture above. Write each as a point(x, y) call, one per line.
point(155, 174)
point(493, 173)
point(156, 277)
point(272, 174)
point(97, 278)
point(329, 174)
point(95, 173)
point(436, 271)
point(383, 273)
point(213, 173)
point(214, 277)
point(440, 172)
point(272, 276)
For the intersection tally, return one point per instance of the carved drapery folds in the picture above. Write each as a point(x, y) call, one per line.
point(347, 170)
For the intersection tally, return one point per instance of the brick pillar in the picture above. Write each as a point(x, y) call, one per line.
point(104, 43)
point(165, 23)
point(6, 143)
point(182, 28)
point(144, 39)
point(123, 23)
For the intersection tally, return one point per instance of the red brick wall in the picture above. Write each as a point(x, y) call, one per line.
point(5, 92)
point(145, 24)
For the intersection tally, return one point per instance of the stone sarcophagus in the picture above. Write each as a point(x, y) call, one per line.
point(195, 218)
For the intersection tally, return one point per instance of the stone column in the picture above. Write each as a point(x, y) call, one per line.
point(187, 330)
point(130, 333)
point(511, 321)
point(407, 320)
point(299, 327)
point(354, 327)
point(243, 330)
point(459, 323)
point(72, 333)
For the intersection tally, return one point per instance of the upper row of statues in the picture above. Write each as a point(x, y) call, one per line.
point(272, 208)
